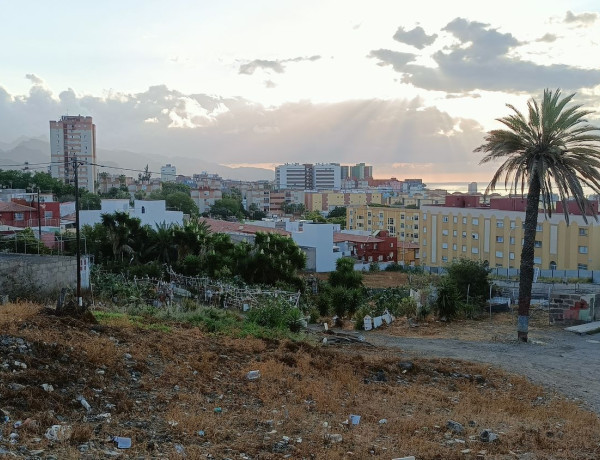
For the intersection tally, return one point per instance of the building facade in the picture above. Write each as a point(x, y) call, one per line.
point(494, 234)
point(73, 138)
point(168, 173)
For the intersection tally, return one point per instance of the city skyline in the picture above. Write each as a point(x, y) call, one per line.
point(409, 91)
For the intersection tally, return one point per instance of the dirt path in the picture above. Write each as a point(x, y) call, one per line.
point(558, 360)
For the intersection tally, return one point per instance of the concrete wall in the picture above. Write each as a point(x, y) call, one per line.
point(45, 274)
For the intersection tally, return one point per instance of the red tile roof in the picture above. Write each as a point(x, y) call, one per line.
point(342, 237)
point(10, 206)
point(223, 226)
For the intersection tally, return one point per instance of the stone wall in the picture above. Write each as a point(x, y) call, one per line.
point(574, 307)
point(41, 275)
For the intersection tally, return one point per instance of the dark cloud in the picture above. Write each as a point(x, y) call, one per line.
point(415, 37)
point(163, 121)
point(276, 66)
point(583, 19)
point(482, 60)
point(548, 38)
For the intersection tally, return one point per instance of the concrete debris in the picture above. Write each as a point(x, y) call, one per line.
point(455, 427)
point(488, 436)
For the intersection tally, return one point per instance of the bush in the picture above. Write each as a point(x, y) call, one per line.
point(272, 314)
point(374, 267)
point(448, 301)
point(394, 267)
point(359, 317)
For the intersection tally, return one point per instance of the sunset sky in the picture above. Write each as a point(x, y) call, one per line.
point(410, 88)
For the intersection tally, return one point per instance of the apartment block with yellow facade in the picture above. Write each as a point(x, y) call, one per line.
point(328, 200)
point(494, 234)
point(404, 224)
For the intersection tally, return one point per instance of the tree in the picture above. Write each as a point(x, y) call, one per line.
point(338, 211)
point(552, 150)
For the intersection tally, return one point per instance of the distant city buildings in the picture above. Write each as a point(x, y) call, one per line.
point(73, 138)
point(168, 173)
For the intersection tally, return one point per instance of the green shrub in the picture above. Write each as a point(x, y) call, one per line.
point(374, 267)
point(448, 301)
point(359, 317)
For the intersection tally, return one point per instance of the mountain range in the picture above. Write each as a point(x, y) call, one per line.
point(37, 150)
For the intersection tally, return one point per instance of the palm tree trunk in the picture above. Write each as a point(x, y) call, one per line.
point(527, 255)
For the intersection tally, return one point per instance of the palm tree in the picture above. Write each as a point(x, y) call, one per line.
point(551, 150)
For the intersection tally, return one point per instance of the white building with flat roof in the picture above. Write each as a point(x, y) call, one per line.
point(149, 212)
point(168, 173)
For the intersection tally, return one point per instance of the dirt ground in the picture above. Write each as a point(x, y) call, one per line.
point(180, 392)
point(380, 279)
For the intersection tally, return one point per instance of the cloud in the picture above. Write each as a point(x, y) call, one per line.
point(34, 79)
point(583, 19)
point(252, 66)
point(548, 38)
point(396, 59)
point(276, 66)
point(415, 37)
point(164, 121)
point(270, 84)
point(484, 59)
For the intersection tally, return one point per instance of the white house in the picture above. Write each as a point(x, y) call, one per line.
point(320, 237)
point(149, 212)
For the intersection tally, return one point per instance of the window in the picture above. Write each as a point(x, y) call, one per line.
point(455, 220)
point(475, 236)
point(499, 224)
point(464, 234)
point(19, 216)
point(582, 267)
point(464, 248)
point(537, 260)
point(454, 233)
point(415, 227)
point(475, 221)
point(583, 249)
point(538, 228)
point(381, 215)
point(424, 216)
point(47, 214)
point(499, 239)
point(445, 232)
point(402, 216)
point(415, 217)
point(499, 254)
point(454, 247)
point(583, 232)
point(511, 255)
point(444, 245)
point(474, 250)
point(513, 224)
point(464, 220)
point(552, 265)
point(537, 244)
point(444, 258)
point(390, 221)
point(445, 219)
point(512, 240)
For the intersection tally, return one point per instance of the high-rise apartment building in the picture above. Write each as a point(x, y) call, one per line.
point(168, 173)
point(73, 137)
point(320, 176)
point(361, 171)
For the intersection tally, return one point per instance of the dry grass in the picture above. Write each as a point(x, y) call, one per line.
point(170, 387)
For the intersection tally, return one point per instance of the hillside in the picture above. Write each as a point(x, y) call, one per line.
point(175, 390)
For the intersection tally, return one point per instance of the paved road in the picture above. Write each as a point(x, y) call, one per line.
point(558, 360)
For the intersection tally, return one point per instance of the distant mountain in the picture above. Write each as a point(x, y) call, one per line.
point(36, 150)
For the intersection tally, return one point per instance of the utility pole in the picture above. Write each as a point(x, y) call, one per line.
point(39, 219)
point(77, 246)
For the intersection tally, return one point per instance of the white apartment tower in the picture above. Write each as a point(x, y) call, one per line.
point(320, 176)
point(168, 173)
point(73, 137)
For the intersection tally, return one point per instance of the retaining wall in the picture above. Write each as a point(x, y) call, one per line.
point(44, 274)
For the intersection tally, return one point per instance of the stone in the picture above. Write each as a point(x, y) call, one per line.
point(455, 427)
point(488, 436)
point(334, 437)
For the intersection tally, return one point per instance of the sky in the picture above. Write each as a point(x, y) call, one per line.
point(410, 88)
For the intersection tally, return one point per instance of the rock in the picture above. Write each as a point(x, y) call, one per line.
point(180, 449)
point(84, 403)
point(334, 437)
point(479, 378)
point(406, 366)
point(16, 386)
point(127, 356)
point(488, 436)
point(47, 387)
point(455, 427)
point(59, 433)
point(383, 421)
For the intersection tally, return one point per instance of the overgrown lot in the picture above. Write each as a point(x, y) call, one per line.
point(176, 390)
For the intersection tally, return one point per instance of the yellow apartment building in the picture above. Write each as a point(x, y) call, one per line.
point(404, 224)
point(496, 236)
point(326, 201)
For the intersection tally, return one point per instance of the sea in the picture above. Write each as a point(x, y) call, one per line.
point(463, 187)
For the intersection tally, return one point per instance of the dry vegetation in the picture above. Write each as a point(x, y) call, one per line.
point(161, 388)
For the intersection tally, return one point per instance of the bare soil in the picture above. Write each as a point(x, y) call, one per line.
point(182, 392)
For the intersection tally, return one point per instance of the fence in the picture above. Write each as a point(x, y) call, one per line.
point(584, 276)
